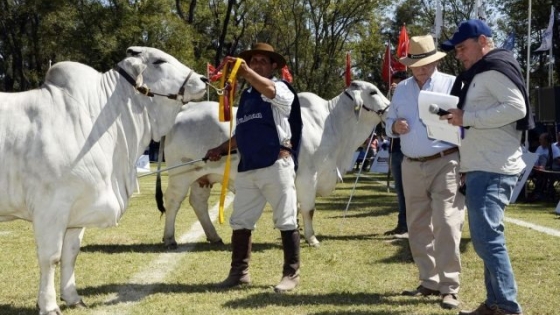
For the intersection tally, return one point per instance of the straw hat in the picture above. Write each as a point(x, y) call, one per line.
point(421, 51)
point(264, 49)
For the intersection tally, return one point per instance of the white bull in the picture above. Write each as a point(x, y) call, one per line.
point(332, 131)
point(69, 150)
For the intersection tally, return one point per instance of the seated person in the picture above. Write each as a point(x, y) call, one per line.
point(549, 154)
point(548, 159)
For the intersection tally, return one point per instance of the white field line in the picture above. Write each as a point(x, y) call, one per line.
point(538, 228)
point(535, 227)
point(5, 233)
point(121, 302)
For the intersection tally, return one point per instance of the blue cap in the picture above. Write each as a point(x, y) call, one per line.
point(467, 29)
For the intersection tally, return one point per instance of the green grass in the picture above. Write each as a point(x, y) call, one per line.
point(356, 270)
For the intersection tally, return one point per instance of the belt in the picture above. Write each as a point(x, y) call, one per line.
point(435, 156)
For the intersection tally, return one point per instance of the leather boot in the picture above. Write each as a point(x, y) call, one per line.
point(290, 272)
point(240, 255)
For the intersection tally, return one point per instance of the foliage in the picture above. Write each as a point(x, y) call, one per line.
point(314, 35)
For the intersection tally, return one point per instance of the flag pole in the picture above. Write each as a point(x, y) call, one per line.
point(550, 69)
point(528, 70)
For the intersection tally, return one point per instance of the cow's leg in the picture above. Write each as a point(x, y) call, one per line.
point(70, 251)
point(177, 189)
point(199, 202)
point(309, 233)
point(49, 235)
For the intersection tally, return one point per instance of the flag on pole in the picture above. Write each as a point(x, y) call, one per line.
point(438, 24)
point(286, 75)
point(547, 36)
point(348, 72)
point(387, 70)
point(480, 12)
point(402, 50)
point(509, 43)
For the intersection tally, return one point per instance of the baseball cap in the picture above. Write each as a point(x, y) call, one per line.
point(466, 29)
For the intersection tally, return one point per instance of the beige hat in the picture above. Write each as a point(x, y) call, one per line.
point(264, 49)
point(421, 51)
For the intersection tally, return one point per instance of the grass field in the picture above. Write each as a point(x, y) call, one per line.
point(356, 270)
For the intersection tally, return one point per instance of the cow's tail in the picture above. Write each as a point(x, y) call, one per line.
point(159, 193)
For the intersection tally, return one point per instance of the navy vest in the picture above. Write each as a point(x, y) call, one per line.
point(256, 134)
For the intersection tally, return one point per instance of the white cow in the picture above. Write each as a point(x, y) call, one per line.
point(332, 131)
point(69, 150)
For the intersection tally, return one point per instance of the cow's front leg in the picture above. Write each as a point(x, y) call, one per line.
point(70, 251)
point(49, 236)
point(199, 201)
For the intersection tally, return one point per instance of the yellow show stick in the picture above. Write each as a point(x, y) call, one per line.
point(230, 90)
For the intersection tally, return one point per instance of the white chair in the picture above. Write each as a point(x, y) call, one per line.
point(142, 166)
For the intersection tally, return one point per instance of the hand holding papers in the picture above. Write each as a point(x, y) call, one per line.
point(431, 106)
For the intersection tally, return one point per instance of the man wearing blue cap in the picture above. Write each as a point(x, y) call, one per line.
point(493, 109)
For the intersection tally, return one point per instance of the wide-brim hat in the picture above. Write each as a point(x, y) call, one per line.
point(264, 49)
point(421, 51)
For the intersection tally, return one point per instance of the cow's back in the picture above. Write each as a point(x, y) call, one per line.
point(197, 128)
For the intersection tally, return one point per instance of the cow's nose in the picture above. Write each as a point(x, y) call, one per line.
point(204, 79)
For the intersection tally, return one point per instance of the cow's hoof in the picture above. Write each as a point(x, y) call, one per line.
point(56, 311)
point(80, 304)
point(313, 241)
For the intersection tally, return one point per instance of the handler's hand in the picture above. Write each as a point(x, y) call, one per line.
point(214, 154)
point(455, 117)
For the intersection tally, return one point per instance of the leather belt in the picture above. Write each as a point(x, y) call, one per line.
point(435, 156)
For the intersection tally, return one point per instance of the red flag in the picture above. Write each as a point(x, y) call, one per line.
point(348, 72)
point(286, 75)
point(402, 49)
point(387, 70)
point(211, 71)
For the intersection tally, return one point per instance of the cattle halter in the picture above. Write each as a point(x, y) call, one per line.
point(146, 90)
point(378, 112)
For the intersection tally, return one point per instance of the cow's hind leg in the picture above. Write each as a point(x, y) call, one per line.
point(70, 251)
point(309, 233)
point(199, 202)
point(177, 189)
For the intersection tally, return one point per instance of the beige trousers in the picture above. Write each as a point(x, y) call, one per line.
point(274, 184)
point(435, 213)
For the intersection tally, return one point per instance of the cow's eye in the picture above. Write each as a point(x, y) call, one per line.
point(373, 93)
point(159, 62)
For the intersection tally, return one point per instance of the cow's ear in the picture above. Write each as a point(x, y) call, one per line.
point(133, 52)
point(134, 66)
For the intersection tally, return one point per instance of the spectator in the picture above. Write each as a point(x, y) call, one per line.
point(396, 157)
point(493, 108)
point(434, 208)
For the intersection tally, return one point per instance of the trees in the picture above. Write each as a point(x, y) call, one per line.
point(314, 35)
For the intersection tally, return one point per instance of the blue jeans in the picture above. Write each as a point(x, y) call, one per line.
point(487, 196)
point(396, 161)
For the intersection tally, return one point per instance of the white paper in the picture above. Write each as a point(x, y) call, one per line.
point(437, 128)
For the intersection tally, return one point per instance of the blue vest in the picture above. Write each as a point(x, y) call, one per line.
point(255, 132)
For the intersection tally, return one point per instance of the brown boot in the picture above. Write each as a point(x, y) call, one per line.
point(240, 255)
point(483, 309)
point(290, 272)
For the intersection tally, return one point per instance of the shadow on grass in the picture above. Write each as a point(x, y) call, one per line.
point(9, 309)
point(336, 299)
point(160, 248)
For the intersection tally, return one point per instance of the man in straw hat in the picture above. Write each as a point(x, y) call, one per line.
point(267, 137)
point(494, 110)
point(434, 208)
